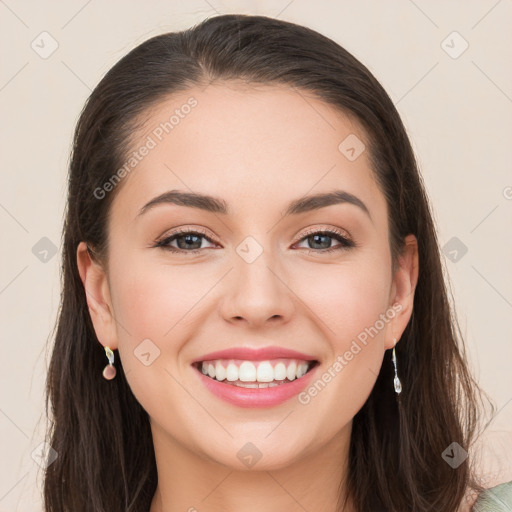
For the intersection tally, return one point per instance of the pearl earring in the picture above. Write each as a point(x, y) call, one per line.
point(109, 372)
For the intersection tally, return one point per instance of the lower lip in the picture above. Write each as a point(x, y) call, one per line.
point(256, 397)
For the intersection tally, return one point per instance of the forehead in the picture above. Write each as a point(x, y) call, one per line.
point(251, 144)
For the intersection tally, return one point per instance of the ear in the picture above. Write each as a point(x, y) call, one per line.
point(402, 290)
point(94, 280)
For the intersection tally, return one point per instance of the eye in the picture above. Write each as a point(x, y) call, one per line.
point(185, 240)
point(191, 241)
point(320, 240)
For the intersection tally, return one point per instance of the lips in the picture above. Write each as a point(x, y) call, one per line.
point(249, 377)
point(253, 354)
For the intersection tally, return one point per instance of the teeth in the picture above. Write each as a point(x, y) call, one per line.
point(256, 384)
point(248, 385)
point(280, 371)
point(247, 372)
point(220, 371)
point(265, 372)
point(231, 372)
point(291, 371)
point(255, 374)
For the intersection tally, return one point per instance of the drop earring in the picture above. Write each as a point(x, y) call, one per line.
point(109, 372)
point(396, 380)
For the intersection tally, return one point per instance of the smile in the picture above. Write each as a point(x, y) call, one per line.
point(255, 374)
point(247, 383)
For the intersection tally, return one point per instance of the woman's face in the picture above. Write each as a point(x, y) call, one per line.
point(256, 274)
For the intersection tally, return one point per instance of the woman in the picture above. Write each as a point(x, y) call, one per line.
point(253, 313)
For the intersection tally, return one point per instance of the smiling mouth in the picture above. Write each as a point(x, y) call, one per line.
point(255, 374)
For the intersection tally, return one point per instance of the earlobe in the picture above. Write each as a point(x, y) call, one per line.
point(94, 280)
point(403, 289)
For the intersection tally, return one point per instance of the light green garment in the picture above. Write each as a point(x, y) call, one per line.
point(495, 499)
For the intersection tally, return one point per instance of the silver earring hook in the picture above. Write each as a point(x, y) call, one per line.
point(396, 380)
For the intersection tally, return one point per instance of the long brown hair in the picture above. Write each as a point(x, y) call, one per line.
point(101, 433)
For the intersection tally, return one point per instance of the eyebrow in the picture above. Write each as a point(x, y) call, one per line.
point(217, 205)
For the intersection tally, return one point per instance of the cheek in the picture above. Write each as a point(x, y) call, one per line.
point(150, 299)
point(349, 302)
point(346, 298)
point(151, 303)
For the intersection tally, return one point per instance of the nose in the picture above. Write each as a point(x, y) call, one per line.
point(257, 292)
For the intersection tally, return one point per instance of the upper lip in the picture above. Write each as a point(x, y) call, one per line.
point(255, 354)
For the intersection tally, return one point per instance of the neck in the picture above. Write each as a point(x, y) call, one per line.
point(189, 482)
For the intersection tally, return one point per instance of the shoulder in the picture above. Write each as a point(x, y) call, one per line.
point(495, 499)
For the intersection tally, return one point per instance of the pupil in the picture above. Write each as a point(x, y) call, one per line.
point(326, 244)
point(188, 241)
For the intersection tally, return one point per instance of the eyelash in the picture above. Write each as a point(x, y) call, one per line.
point(345, 243)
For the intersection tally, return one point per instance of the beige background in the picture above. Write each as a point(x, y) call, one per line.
point(458, 112)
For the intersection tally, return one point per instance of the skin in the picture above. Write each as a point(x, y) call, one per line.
point(258, 148)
